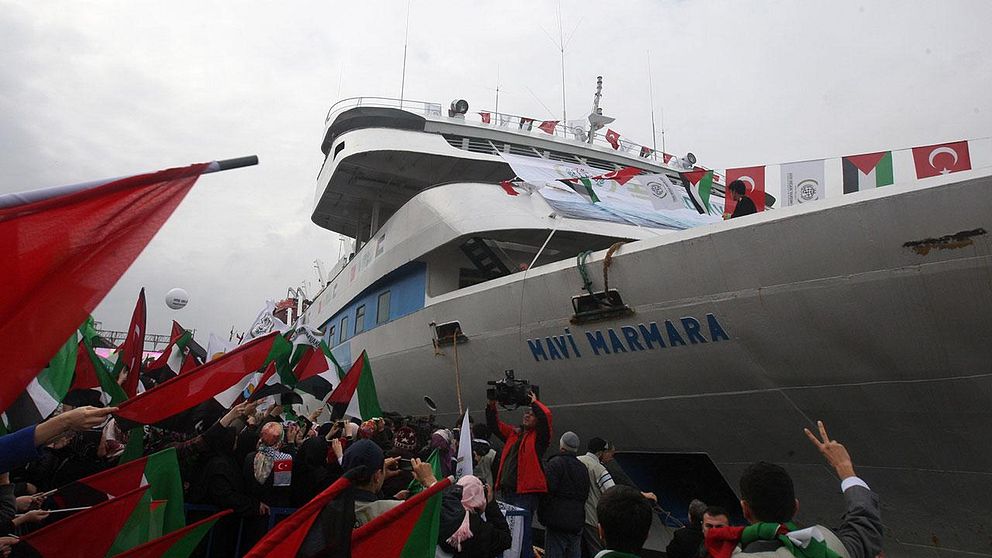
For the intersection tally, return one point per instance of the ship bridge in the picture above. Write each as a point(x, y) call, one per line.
point(380, 153)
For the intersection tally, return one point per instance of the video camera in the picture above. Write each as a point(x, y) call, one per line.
point(511, 392)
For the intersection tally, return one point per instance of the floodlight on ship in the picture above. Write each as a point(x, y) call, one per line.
point(458, 108)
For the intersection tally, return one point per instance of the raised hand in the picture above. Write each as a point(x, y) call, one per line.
point(834, 452)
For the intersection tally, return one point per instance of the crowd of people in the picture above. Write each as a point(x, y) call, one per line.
point(257, 462)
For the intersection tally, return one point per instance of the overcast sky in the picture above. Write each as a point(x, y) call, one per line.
point(92, 90)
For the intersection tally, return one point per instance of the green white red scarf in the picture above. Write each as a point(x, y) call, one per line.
point(804, 543)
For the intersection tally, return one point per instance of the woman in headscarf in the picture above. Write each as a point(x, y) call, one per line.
point(472, 525)
point(441, 441)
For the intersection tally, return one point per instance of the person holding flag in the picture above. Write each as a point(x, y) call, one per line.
point(22, 446)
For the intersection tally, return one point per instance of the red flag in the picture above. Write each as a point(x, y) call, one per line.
point(133, 347)
point(389, 535)
point(189, 390)
point(61, 255)
point(85, 376)
point(185, 540)
point(613, 138)
point(646, 151)
point(548, 126)
point(754, 182)
point(507, 187)
point(76, 536)
point(942, 158)
point(621, 176)
point(665, 157)
point(486, 117)
point(285, 539)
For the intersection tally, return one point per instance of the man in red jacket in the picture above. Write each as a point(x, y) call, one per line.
point(520, 479)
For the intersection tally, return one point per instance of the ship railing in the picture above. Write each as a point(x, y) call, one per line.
point(575, 131)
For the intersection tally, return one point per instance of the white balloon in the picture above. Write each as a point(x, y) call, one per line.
point(176, 298)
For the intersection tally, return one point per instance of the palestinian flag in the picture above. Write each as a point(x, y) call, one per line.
point(178, 544)
point(159, 470)
point(870, 170)
point(700, 184)
point(229, 374)
point(408, 530)
point(321, 527)
point(169, 364)
point(87, 533)
point(54, 276)
point(75, 369)
point(355, 396)
point(317, 371)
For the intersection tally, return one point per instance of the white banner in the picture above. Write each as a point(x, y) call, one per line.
point(802, 182)
point(649, 200)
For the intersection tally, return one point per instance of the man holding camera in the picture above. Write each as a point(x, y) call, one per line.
point(520, 479)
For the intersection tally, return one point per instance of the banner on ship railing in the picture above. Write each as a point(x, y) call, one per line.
point(583, 192)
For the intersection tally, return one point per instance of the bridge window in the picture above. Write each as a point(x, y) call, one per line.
point(360, 319)
point(344, 328)
point(382, 309)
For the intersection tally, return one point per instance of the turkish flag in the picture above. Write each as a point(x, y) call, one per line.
point(621, 176)
point(548, 126)
point(133, 347)
point(754, 180)
point(62, 251)
point(613, 138)
point(942, 158)
point(666, 157)
point(486, 117)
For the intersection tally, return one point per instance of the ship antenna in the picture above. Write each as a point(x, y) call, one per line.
point(561, 49)
point(406, 41)
point(497, 93)
point(654, 135)
point(595, 108)
point(561, 44)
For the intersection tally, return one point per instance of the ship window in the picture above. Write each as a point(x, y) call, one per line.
point(344, 328)
point(338, 149)
point(360, 319)
point(382, 310)
point(330, 335)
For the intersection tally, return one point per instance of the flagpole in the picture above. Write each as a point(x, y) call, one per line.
point(458, 376)
point(406, 41)
point(228, 164)
point(654, 135)
point(30, 196)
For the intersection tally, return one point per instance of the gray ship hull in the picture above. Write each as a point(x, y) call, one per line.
point(873, 315)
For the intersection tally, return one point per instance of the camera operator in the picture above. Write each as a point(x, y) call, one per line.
point(520, 479)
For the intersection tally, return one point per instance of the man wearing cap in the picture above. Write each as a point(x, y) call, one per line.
point(599, 481)
point(369, 503)
point(562, 509)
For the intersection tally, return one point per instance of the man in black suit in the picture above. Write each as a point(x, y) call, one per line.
point(745, 206)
